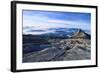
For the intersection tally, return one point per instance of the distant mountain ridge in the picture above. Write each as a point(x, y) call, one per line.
point(62, 33)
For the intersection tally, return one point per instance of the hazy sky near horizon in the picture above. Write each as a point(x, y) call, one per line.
point(38, 22)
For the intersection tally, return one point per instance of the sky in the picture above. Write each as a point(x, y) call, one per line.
point(38, 22)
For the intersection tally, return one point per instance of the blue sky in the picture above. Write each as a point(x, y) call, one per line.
point(38, 22)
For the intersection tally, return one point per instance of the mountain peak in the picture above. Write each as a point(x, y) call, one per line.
point(81, 34)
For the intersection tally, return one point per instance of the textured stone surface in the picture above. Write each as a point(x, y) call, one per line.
point(76, 48)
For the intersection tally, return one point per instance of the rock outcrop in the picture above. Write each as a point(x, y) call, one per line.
point(75, 48)
point(81, 34)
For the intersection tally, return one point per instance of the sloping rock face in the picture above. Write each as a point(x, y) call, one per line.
point(81, 34)
point(69, 49)
point(78, 47)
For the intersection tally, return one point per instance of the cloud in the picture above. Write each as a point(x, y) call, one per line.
point(38, 32)
point(44, 20)
point(56, 21)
